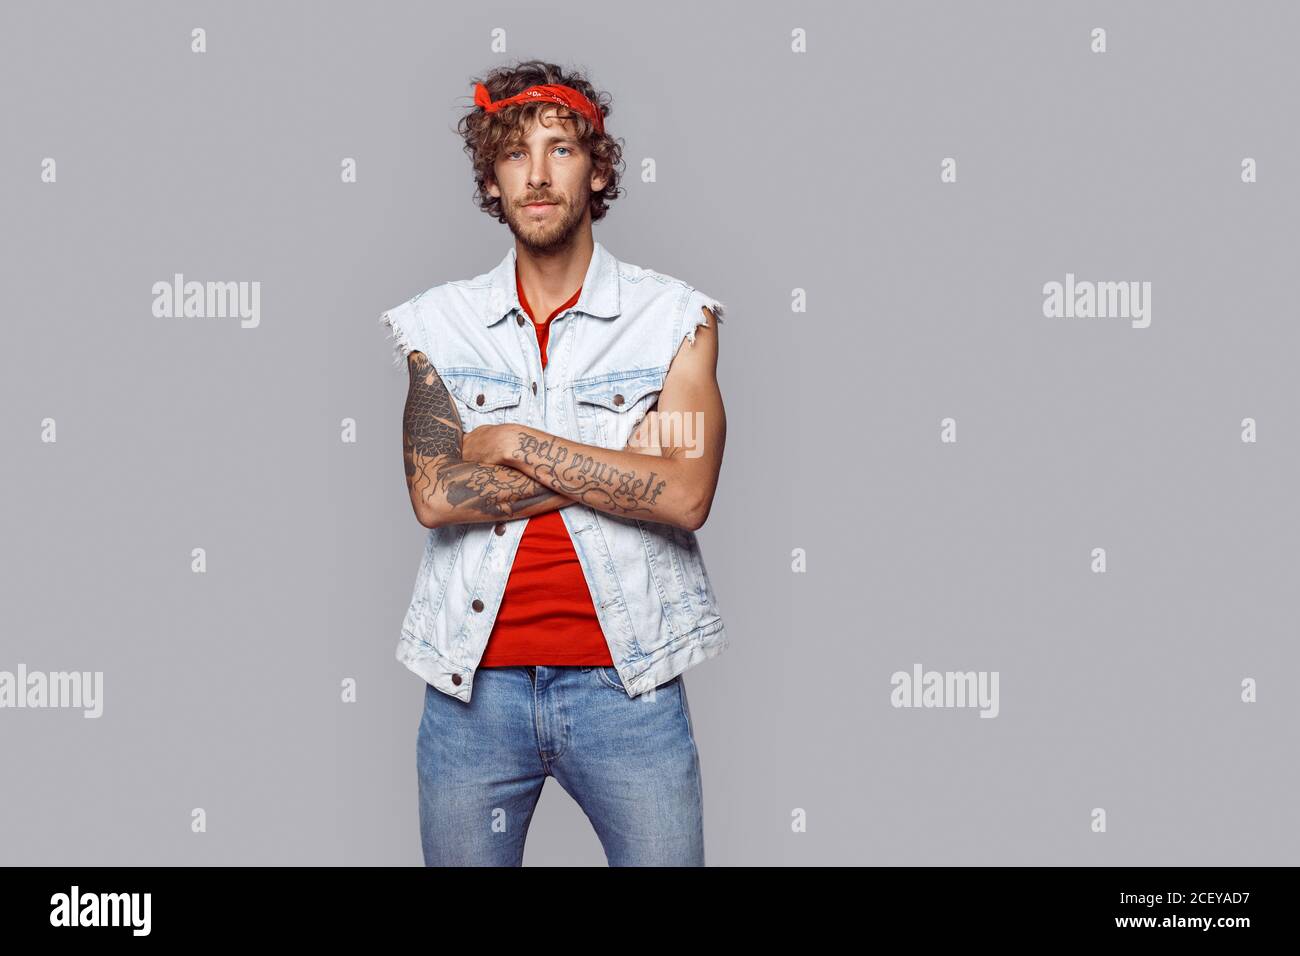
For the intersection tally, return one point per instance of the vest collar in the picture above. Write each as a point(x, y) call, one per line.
point(599, 288)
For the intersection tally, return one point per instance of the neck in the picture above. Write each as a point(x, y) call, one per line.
point(549, 279)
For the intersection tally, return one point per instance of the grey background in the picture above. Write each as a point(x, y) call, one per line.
point(776, 171)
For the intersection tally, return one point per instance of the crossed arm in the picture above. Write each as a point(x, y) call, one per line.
point(445, 487)
point(668, 471)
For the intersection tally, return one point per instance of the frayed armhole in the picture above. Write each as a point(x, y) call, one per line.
point(400, 321)
point(695, 315)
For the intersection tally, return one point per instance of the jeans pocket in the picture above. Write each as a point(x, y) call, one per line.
point(609, 677)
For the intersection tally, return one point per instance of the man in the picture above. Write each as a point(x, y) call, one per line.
point(562, 446)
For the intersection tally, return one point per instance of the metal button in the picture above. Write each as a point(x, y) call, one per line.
point(519, 319)
point(477, 605)
point(455, 679)
point(534, 388)
point(618, 399)
point(501, 527)
point(480, 400)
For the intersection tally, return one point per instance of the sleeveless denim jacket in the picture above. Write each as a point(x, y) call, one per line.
point(607, 358)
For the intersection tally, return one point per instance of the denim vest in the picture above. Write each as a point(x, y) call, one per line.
point(607, 357)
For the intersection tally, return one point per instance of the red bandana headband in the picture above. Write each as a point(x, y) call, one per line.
point(564, 95)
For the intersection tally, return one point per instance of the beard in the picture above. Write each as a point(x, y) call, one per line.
point(552, 232)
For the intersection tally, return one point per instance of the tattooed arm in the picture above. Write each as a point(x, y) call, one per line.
point(669, 470)
point(446, 488)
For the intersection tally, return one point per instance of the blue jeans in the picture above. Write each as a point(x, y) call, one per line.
point(630, 763)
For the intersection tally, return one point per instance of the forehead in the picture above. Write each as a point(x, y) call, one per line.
point(548, 125)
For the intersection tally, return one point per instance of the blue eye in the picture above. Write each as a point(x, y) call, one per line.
point(519, 152)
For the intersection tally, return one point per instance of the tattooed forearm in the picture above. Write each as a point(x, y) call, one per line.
point(578, 471)
point(444, 487)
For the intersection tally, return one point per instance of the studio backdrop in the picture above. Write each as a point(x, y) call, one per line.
point(1005, 536)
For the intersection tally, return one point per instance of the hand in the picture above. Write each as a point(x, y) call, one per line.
point(481, 444)
point(645, 437)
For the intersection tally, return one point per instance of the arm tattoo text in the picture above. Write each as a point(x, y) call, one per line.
point(588, 480)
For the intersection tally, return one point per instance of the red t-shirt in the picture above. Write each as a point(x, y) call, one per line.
point(547, 615)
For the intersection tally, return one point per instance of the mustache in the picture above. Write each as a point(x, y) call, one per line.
point(547, 199)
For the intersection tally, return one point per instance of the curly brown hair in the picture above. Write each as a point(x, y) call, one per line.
point(486, 134)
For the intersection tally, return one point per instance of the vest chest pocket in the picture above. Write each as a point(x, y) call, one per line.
point(609, 408)
point(483, 397)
